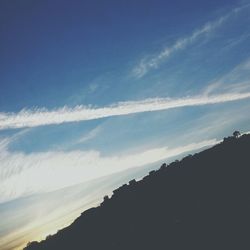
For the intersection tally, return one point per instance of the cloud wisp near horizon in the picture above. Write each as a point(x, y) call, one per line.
point(40, 117)
point(19, 171)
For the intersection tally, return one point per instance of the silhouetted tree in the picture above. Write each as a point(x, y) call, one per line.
point(164, 165)
point(236, 134)
point(132, 182)
point(105, 199)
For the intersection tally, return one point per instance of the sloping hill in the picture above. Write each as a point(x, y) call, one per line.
point(201, 202)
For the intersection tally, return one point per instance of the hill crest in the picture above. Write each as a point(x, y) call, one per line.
point(199, 202)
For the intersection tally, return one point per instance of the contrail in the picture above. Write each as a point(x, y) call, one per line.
point(40, 117)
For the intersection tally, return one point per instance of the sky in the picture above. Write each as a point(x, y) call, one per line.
point(96, 93)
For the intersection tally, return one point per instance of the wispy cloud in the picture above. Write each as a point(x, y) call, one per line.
point(237, 80)
point(24, 174)
point(86, 137)
point(40, 117)
point(152, 62)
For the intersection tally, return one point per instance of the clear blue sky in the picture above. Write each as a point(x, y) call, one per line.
point(64, 62)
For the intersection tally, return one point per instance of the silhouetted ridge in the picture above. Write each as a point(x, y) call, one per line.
point(201, 202)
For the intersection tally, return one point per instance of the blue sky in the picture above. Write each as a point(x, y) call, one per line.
point(94, 93)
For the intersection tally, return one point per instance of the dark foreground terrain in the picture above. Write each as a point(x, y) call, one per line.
point(201, 202)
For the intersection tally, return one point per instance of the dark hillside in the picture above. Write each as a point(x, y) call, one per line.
point(201, 202)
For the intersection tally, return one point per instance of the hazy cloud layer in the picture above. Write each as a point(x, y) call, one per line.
point(24, 174)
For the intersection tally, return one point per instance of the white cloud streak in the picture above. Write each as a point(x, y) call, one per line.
point(41, 117)
point(149, 63)
point(89, 136)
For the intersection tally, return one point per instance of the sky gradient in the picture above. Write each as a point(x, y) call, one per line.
point(95, 93)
